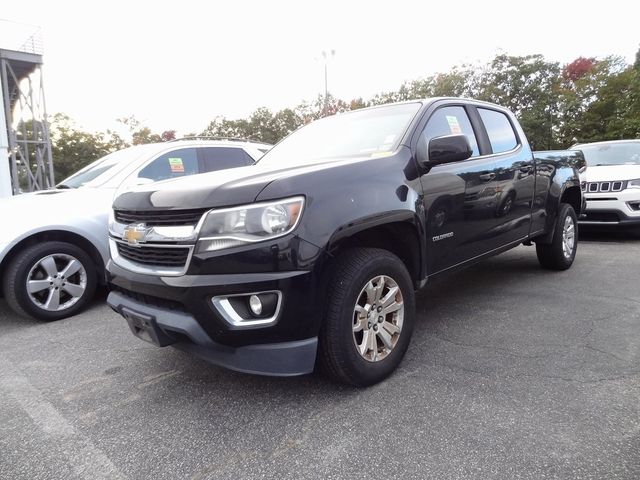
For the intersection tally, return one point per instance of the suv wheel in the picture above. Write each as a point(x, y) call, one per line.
point(561, 252)
point(49, 281)
point(368, 318)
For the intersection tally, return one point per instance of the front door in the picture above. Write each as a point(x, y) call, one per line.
point(460, 198)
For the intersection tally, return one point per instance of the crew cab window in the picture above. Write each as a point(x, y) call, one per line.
point(220, 158)
point(450, 121)
point(178, 163)
point(499, 129)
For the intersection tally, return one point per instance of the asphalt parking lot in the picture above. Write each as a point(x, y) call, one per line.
point(513, 372)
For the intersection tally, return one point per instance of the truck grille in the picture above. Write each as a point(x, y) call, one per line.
point(156, 256)
point(596, 187)
point(160, 217)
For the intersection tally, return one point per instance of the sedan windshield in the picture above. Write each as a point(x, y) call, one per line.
point(361, 133)
point(102, 169)
point(611, 153)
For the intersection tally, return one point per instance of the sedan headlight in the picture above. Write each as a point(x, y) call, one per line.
point(633, 183)
point(231, 227)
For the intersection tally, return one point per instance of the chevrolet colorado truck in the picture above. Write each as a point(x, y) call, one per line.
point(313, 254)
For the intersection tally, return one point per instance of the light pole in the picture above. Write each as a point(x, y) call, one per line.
point(326, 56)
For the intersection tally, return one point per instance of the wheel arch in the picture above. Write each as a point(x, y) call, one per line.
point(570, 193)
point(399, 234)
point(57, 235)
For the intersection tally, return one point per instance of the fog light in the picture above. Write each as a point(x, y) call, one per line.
point(255, 304)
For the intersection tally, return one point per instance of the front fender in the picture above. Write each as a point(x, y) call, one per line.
point(93, 230)
point(345, 198)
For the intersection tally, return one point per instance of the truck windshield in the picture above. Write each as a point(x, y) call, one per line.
point(361, 133)
point(102, 169)
point(611, 153)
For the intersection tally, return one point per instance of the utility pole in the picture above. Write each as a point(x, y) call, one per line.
point(326, 56)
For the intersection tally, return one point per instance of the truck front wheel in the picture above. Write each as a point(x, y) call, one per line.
point(368, 318)
point(560, 253)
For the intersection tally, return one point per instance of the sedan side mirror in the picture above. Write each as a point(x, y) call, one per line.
point(448, 148)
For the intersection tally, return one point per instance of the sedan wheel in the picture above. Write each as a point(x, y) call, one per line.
point(50, 280)
point(56, 282)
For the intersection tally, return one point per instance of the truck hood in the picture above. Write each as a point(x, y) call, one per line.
point(606, 173)
point(235, 186)
point(52, 209)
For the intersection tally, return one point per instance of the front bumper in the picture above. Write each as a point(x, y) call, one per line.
point(164, 327)
point(193, 294)
point(612, 209)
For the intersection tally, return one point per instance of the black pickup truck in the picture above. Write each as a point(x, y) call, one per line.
point(313, 254)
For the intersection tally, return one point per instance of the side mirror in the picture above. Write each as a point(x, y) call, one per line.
point(448, 148)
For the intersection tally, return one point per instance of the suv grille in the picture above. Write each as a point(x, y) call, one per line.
point(160, 217)
point(602, 216)
point(156, 256)
point(595, 187)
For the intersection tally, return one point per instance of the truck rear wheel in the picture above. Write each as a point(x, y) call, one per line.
point(561, 252)
point(368, 318)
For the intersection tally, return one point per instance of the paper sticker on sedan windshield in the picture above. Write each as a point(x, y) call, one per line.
point(176, 165)
point(454, 125)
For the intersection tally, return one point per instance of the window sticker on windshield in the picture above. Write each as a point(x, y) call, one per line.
point(454, 125)
point(176, 165)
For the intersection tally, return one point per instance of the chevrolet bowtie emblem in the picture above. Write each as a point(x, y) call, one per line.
point(135, 233)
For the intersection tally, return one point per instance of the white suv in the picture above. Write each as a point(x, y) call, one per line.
point(611, 183)
point(54, 243)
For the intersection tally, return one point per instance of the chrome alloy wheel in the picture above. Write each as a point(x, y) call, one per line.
point(56, 282)
point(377, 318)
point(568, 237)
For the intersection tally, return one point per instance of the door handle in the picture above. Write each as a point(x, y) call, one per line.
point(487, 177)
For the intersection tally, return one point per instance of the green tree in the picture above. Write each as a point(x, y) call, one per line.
point(591, 105)
point(529, 86)
point(73, 149)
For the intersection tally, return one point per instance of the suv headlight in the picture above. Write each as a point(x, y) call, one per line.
point(231, 227)
point(633, 183)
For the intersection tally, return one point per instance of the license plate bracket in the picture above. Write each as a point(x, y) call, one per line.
point(146, 328)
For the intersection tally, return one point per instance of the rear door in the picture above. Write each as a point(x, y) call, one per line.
point(515, 176)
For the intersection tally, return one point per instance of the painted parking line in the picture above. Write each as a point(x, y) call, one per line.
point(86, 460)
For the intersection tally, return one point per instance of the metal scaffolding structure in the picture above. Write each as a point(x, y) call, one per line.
point(22, 95)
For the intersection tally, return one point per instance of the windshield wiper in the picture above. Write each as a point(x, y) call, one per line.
point(63, 186)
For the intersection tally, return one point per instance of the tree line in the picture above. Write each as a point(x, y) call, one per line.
point(586, 100)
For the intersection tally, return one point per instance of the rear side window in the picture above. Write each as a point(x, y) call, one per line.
point(220, 158)
point(499, 129)
point(450, 121)
point(178, 163)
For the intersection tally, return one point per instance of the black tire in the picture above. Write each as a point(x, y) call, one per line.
point(350, 272)
point(551, 256)
point(14, 281)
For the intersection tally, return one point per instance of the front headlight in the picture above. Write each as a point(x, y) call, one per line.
point(231, 227)
point(633, 183)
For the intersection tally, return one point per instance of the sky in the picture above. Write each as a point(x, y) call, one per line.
point(178, 65)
